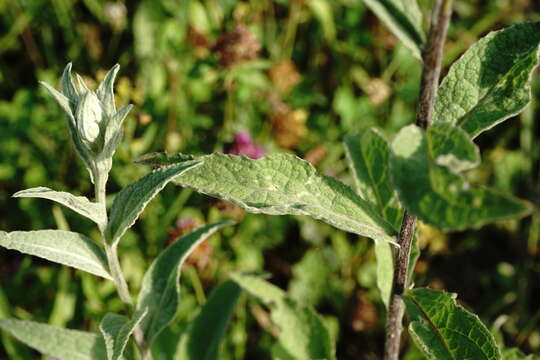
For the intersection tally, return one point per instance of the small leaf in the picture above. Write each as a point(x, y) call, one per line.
point(444, 330)
point(202, 337)
point(404, 19)
point(63, 247)
point(278, 185)
point(131, 201)
point(116, 330)
point(68, 89)
point(303, 335)
point(55, 341)
point(79, 204)
point(438, 196)
point(516, 354)
point(105, 91)
point(160, 291)
point(491, 81)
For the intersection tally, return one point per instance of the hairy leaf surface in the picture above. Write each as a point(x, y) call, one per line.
point(55, 341)
point(278, 185)
point(116, 330)
point(404, 19)
point(131, 200)
point(79, 204)
point(160, 291)
point(443, 330)
point(491, 81)
point(62, 247)
point(201, 339)
point(303, 335)
point(438, 196)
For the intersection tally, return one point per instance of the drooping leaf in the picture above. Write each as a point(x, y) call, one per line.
point(368, 157)
point(63, 247)
point(303, 334)
point(131, 200)
point(79, 204)
point(438, 196)
point(55, 341)
point(160, 291)
point(404, 19)
point(491, 81)
point(516, 354)
point(116, 330)
point(444, 330)
point(201, 339)
point(278, 185)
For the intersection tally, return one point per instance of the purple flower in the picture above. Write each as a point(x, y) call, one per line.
point(244, 145)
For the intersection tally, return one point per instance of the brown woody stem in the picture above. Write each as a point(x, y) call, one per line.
point(432, 57)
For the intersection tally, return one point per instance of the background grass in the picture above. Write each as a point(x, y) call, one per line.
point(297, 75)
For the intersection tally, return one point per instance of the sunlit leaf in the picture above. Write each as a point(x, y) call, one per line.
point(116, 330)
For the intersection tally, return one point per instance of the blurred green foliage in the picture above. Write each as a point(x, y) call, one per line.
point(298, 75)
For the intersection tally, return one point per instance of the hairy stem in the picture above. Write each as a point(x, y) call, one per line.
point(432, 57)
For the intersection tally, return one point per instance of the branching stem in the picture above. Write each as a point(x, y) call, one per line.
point(432, 57)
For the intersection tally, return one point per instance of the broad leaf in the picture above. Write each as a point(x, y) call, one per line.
point(131, 201)
point(516, 354)
point(160, 291)
point(451, 147)
point(404, 19)
point(491, 81)
point(116, 330)
point(204, 333)
point(438, 196)
point(63, 247)
point(55, 341)
point(444, 330)
point(303, 334)
point(368, 156)
point(278, 185)
point(79, 204)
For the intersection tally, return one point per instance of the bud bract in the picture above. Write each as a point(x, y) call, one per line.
point(89, 115)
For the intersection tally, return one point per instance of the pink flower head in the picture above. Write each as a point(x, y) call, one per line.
point(244, 145)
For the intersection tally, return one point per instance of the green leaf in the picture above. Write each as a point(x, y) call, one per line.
point(202, 337)
point(444, 330)
point(79, 204)
point(63, 247)
point(160, 291)
point(303, 334)
point(278, 185)
point(404, 19)
point(451, 147)
point(438, 196)
point(516, 354)
point(55, 341)
point(131, 201)
point(105, 91)
point(491, 81)
point(368, 157)
point(116, 330)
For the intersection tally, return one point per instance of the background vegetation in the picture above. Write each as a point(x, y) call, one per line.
point(297, 75)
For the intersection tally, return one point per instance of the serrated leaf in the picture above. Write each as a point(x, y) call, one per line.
point(204, 333)
point(131, 200)
point(55, 341)
point(62, 247)
point(491, 81)
point(303, 334)
point(444, 330)
point(438, 196)
point(516, 354)
point(278, 185)
point(160, 291)
point(79, 204)
point(404, 19)
point(368, 157)
point(116, 330)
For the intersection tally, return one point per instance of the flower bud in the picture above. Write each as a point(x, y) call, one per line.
point(89, 115)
